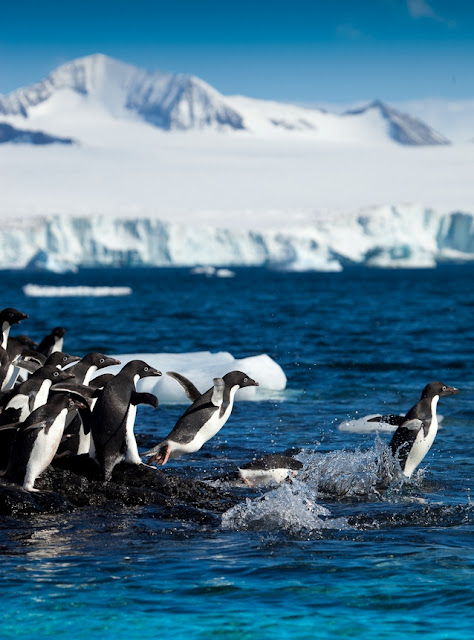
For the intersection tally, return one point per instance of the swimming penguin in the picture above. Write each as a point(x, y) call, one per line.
point(261, 472)
point(113, 417)
point(53, 342)
point(203, 419)
point(417, 430)
point(37, 440)
point(8, 317)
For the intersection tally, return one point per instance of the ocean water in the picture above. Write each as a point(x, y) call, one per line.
point(332, 554)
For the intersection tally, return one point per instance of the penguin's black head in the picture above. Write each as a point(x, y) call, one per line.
point(26, 341)
point(438, 389)
point(240, 379)
point(56, 375)
point(60, 359)
point(100, 360)
point(142, 369)
point(12, 316)
point(58, 332)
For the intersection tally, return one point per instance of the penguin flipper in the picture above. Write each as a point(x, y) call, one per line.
point(81, 390)
point(217, 397)
point(394, 420)
point(144, 398)
point(413, 425)
point(28, 365)
point(12, 425)
point(190, 390)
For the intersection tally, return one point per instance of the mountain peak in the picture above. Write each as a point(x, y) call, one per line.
point(402, 127)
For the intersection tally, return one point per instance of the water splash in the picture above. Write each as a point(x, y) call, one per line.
point(291, 507)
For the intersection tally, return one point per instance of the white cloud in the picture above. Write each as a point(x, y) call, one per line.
point(421, 9)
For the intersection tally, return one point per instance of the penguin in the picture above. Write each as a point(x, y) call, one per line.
point(19, 350)
point(85, 369)
point(203, 419)
point(8, 317)
point(113, 417)
point(417, 429)
point(53, 342)
point(61, 360)
point(37, 440)
point(77, 440)
point(261, 472)
point(23, 400)
point(19, 402)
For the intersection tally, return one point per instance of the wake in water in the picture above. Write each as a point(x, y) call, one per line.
point(338, 476)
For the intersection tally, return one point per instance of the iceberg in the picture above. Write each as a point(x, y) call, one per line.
point(49, 291)
point(384, 236)
point(201, 367)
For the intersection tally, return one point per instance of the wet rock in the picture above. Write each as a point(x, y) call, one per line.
point(75, 482)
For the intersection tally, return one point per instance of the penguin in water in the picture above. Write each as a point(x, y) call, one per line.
point(417, 429)
point(53, 342)
point(268, 470)
point(37, 440)
point(113, 417)
point(203, 419)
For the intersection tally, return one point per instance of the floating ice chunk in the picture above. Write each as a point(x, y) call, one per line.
point(38, 290)
point(201, 368)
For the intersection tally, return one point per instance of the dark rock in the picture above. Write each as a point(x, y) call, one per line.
point(75, 482)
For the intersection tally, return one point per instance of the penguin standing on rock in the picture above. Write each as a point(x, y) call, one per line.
point(417, 430)
point(37, 440)
point(113, 417)
point(203, 419)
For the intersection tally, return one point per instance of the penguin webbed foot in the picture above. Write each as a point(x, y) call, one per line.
point(161, 457)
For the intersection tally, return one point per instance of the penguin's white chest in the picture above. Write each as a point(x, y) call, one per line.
point(422, 443)
point(42, 395)
point(44, 449)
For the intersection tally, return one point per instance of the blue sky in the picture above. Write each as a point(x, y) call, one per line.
point(309, 52)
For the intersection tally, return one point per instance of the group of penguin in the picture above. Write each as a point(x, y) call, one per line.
point(52, 406)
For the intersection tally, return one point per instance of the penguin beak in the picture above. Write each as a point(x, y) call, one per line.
point(19, 317)
point(450, 391)
point(112, 361)
point(154, 372)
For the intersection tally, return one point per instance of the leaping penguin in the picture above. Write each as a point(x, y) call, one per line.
point(417, 430)
point(113, 417)
point(203, 419)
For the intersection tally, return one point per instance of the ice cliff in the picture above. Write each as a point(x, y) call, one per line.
point(388, 236)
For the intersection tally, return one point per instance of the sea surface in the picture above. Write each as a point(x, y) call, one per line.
point(330, 555)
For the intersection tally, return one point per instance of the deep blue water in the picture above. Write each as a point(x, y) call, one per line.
point(291, 562)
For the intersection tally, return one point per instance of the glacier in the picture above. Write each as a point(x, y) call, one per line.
point(383, 236)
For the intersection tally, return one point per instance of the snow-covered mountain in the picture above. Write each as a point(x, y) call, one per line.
point(12, 134)
point(403, 128)
point(100, 87)
point(406, 236)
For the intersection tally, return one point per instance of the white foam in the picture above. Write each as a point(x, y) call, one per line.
point(37, 290)
point(201, 368)
point(291, 507)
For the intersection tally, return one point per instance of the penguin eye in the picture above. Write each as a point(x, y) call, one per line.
point(101, 360)
point(444, 387)
point(56, 373)
point(10, 315)
point(145, 369)
point(64, 359)
point(246, 379)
